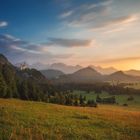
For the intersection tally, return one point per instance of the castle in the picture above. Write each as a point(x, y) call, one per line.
point(23, 66)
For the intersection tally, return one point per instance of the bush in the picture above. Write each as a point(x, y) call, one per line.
point(125, 104)
point(91, 103)
point(130, 98)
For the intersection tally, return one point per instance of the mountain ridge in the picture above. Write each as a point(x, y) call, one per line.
point(69, 69)
point(89, 74)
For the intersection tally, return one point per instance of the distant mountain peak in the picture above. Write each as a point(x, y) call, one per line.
point(107, 70)
point(58, 64)
point(87, 68)
point(88, 71)
point(118, 73)
point(65, 68)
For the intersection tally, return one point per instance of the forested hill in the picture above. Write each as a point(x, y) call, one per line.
point(25, 84)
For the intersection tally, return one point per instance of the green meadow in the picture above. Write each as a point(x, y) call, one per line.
point(120, 99)
point(27, 120)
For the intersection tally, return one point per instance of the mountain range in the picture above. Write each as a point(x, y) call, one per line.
point(89, 75)
point(69, 73)
point(69, 69)
point(56, 66)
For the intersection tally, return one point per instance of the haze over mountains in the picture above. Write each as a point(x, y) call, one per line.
point(67, 69)
point(56, 66)
point(89, 75)
point(71, 69)
point(107, 70)
point(62, 68)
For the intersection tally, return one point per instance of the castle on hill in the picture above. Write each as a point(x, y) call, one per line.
point(23, 66)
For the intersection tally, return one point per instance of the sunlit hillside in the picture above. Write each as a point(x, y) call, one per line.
point(24, 120)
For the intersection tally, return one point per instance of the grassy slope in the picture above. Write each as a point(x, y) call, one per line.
point(121, 99)
point(40, 121)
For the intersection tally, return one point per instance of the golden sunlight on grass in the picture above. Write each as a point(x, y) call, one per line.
point(40, 121)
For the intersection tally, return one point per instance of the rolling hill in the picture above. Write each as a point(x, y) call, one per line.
point(122, 77)
point(133, 72)
point(86, 74)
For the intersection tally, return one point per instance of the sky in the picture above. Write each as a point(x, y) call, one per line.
point(86, 32)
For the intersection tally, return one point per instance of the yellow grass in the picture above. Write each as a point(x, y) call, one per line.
point(24, 120)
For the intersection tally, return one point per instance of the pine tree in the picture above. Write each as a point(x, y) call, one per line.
point(23, 90)
point(3, 87)
point(98, 99)
point(81, 100)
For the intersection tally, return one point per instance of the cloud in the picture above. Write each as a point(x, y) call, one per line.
point(96, 15)
point(3, 24)
point(18, 50)
point(114, 30)
point(25, 50)
point(115, 22)
point(66, 14)
point(120, 59)
point(8, 42)
point(63, 42)
point(85, 13)
point(123, 20)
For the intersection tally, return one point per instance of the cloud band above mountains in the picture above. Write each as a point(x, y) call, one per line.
point(64, 42)
point(95, 16)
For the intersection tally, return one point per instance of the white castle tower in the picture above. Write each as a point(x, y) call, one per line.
point(23, 66)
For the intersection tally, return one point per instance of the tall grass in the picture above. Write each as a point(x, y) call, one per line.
point(24, 120)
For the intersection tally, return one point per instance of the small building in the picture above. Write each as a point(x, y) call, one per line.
point(23, 66)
